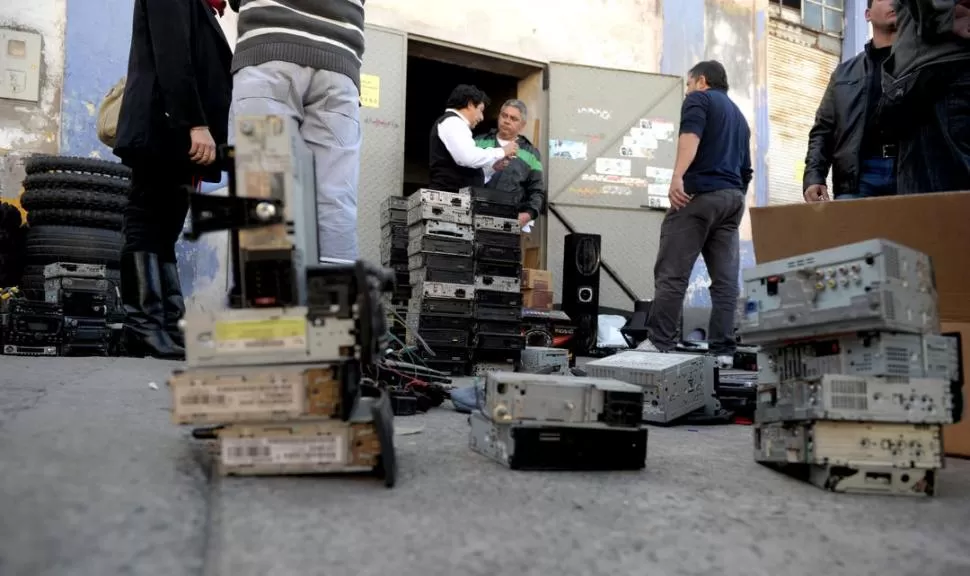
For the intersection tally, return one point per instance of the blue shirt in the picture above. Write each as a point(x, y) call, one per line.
point(723, 159)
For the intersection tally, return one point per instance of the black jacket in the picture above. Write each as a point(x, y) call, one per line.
point(840, 122)
point(523, 175)
point(178, 78)
point(924, 39)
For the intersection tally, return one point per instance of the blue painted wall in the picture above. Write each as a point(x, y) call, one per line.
point(688, 39)
point(96, 56)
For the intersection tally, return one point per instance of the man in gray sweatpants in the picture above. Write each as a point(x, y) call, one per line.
point(301, 59)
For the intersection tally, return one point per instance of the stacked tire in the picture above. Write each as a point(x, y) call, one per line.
point(75, 212)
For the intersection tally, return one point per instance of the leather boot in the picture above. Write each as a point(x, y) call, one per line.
point(141, 292)
point(174, 303)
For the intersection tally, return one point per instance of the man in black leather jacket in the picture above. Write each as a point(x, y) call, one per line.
point(927, 87)
point(848, 135)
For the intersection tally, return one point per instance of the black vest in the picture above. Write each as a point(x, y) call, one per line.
point(444, 173)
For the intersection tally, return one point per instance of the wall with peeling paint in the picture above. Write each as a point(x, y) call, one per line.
point(644, 35)
point(30, 127)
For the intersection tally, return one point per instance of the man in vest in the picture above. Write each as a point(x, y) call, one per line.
point(454, 160)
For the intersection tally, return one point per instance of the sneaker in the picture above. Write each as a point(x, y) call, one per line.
point(725, 361)
point(647, 346)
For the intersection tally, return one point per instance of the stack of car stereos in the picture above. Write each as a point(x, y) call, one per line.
point(855, 381)
point(394, 255)
point(29, 327)
point(547, 422)
point(442, 278)
point(674, 385)
point(498, 339)
point(91, 304)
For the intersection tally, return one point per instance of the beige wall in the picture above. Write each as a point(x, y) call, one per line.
point(619, 34)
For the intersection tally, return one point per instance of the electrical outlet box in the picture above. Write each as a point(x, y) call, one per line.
point(20, 58)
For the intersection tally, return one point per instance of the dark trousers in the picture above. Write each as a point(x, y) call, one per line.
point(934, 153)
point(707, 226)
point(156, 210)
point(877, 178)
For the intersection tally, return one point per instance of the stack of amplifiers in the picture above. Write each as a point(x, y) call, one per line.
point(498, 341)
point(31, 328)
point(855, 382)
point(442, 277)
point(91, 302)
point(394, 255)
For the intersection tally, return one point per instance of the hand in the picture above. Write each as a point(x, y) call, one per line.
point(524, 218)
point(961, 20)
point(203, 149)
point(678, 198)
point(816, 193)
point(511, 149)
point(501, 164)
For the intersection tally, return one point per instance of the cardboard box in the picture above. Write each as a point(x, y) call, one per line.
point(956, 438)
point(936, 224)
point(537, 299)
point(533, 279)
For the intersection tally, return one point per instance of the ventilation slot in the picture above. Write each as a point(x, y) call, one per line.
point(897, 361)
point(862, 362)
point(849, 395)
point(889, 308)
point(892, 262)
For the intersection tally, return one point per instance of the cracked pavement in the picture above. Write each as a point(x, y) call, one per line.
point(96, 481)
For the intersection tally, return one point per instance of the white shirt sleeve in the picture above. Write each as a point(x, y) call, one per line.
point(457, 138)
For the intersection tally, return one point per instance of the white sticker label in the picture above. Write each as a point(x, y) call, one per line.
point(307, 450)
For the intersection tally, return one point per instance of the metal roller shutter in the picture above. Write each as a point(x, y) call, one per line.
point(798, 74)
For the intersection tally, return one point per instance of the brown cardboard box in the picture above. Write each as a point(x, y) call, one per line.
point(537, 299)
point(936, 224)
point(533, 279)
point(956, 438)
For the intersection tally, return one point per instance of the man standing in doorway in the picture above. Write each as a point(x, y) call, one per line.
point(848, 135)
point(927, 88)
point(302, 60)
point(711, 177)
point(521, 174)
point(454, 160)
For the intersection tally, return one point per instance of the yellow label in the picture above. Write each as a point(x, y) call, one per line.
point(370, 91)
point(273, 330)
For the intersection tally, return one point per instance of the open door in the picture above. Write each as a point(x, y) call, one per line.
point(382, 79)
point(611, 150)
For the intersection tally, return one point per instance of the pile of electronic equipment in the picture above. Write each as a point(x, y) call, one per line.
point(554, 422)
point(276, 380)
point(80, 315)
point(394, 255)
point(855, 380)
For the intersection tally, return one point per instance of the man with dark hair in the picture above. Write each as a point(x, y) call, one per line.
point(521, 174)
point(454, 160)
point(301, 60)
point(173, 115)
point(711, 176)
point(927, 91)
point(849, 136)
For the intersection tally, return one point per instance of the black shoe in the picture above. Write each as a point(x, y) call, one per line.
point(141, 292)
point(173, 302)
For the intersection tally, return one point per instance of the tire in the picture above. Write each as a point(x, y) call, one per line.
point(79, 218)
point(43, 163)
point(49, 244)
point(57, 180)
point(40, 199)
point(32, 281)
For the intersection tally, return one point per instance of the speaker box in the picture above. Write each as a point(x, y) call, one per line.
point(581, 287)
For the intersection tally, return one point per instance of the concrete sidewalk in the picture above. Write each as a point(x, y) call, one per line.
point(96, 481)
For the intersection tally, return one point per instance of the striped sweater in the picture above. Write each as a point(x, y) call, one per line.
point(321, 34)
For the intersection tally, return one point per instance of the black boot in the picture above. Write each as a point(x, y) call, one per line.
point(174, 302)
point(141, 291)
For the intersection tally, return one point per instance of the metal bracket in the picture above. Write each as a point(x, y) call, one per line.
point(209, 213)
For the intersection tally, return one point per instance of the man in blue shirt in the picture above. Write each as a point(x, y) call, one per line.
point(711, 177)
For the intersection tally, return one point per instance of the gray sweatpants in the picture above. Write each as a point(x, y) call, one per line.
point(326, 105)
point(707, 226)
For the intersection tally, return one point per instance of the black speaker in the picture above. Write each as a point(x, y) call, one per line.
point(581, 287)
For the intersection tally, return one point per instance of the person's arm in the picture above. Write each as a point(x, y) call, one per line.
point(746, 172)
point(457, 138)
point(821, 139)
point(934, 18)
point(693, 122)
point(534, 199)
point(170, 24)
